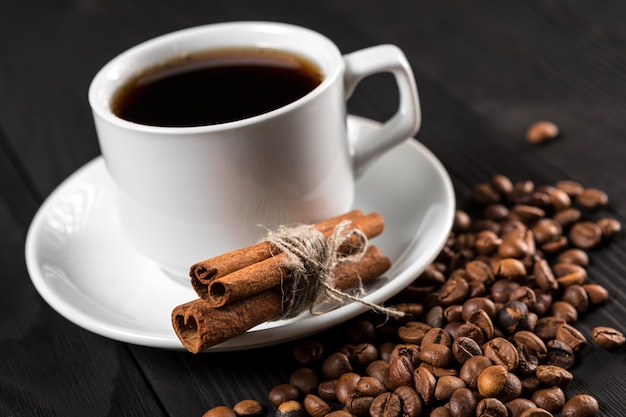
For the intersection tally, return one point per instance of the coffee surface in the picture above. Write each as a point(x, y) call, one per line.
point(215, 87)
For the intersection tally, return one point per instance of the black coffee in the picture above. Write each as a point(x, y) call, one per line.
point(215, 87)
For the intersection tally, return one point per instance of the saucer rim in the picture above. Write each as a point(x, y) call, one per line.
point(114, 331)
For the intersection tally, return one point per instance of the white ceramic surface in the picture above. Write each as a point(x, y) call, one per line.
point(82, 265)
point(187, 192)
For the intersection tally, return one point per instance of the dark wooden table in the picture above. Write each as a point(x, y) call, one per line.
point(485, 70)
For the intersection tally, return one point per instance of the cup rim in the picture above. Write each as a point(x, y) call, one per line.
point(112, 71)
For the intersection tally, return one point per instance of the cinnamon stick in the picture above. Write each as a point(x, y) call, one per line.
point(203, 272)
point(200, 326)
point(271, 272)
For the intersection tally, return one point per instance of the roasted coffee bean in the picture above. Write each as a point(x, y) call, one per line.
point(528, 359)
point(521, 191)
point(453, 313)
point(435, 354)
point(484, 194)
point(425, 383)
point(308, 351)
point(585, 235)
point(572, 188)
point(220, 411)
point(491, 407)
point(515, 244)
point(546, 230)
point(536, 412)
point(572, 337)
point(446, 385)
point(283, 393)
point(541, 131)
point(526, 295)
point(481, 319)
point(544, 276)
point(527, 214)
point(441, 411)
point(531, 341)
point(361, 331)
point(345, 386)
point(401, 370)
point(559, 199)
point(530, 383)
point(359, 405)
point(574, 256)
point(478, 303)
point(339, 413)
point(562, 269)
point(453, 291)
point(437, 335)
point(412, 311)
point(379, 369)
point(568, 216)
point(501, 352)
point(305, 379)
point(513, 316)
point(597, 293)
point(368, 385)
point(386, 405)
point(407, 350)
point(555, 246)
point(316, 406)
point(492, 380)
point(546, 327)
point(608, 338)
point(364, 353)
point(249, 408)
point(472, 368)
point(501, 184)
point(564, 310)
point(553, 375)
point(511, 269)
point(411, 402)
point(486, 242)
point(335, 365)
point(559, 354)
point(512, 388)
point(501, 289)
point(517, 406)
point(592, 198)
point(470, 330)
point(461, 222)
point(462, 403)
point(464, 348)
point(290, 409)
point(413, 331)
point(543, 301)
point(581, 405)
point(609, 227)
point(479, 271)
point(327, 390)
point(434, 317)
point(551, 399)
point(495, 211)
point(481, 225)
point(577, 297)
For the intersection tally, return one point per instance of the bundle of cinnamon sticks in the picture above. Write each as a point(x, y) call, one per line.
point(240, 289)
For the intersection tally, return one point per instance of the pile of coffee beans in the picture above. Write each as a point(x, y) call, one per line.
point(489, 329)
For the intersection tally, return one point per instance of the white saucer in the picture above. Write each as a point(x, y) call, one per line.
point(82, 266)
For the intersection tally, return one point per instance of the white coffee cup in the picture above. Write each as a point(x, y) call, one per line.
point(190, 193)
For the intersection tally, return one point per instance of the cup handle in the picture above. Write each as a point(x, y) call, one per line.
point(405, 122)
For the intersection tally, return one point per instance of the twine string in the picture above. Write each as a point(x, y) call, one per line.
point(312, 258)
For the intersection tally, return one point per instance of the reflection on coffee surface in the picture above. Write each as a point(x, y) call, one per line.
point(215, 87)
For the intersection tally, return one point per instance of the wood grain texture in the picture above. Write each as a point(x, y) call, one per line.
point(485, 71)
